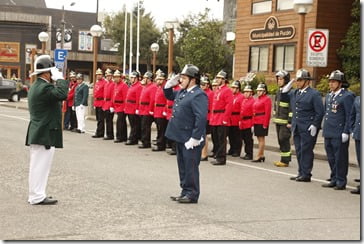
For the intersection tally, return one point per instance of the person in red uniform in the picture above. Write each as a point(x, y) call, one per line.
point(98, 102)
point(220, 117)
point(146, 108)
point(262, 111)
point(246, 122)
point(160, 119)
point(234, 131)
point(205, 86)
point(131, 107)
point(109, 115)
point(118, 105)
point(70, 121)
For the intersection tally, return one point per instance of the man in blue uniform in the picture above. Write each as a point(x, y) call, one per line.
point(336, 129)
point(355, 132)
point(308, 110)
point(187, 127)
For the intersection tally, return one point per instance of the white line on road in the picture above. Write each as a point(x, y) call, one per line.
point(14, 117)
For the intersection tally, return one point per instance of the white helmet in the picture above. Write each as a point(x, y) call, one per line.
point(42, 64)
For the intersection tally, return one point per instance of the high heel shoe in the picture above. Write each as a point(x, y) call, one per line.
point(259, 160)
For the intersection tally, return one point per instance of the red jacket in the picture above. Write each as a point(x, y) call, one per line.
point(221, 106)
point(262, 110)
point(146, 101)
point(210, 96)
point(132, 98)
point(99, 92)
point(236, 107)
point(108, 95)
point(160, 102)
point(170, 103)
point(118, 101)
point(246, 113)
point(71, 94)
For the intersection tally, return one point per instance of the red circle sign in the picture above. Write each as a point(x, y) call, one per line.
point(317, 41)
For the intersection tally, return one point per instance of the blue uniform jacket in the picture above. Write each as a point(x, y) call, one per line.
point(307, 109)
point(337, 114)
point(81, 95)
point(355, 119)
point(189, 114)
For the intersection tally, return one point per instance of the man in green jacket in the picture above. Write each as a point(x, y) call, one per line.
point(45, 127)
point(81, 97)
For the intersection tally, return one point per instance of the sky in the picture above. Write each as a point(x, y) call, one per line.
point(161, 10)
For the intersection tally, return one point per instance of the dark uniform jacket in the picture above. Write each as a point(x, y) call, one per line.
point(44, 102)
point(189, 114)
point(355, 119)
point(282, 110)
point(81, 95)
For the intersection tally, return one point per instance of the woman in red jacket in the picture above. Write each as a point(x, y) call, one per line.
point(262, 110)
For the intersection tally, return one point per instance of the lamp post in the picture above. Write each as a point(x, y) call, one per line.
point(96, 32)
point(302, 7)
point(63, 23)
point(155, 48)
point(170, 25)
point(43, 38)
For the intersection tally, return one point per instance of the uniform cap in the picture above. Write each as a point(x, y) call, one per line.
point(262, 87)
point(42, 64)
point(98, 72)
point(117, 73)
point(248, 88)
point(79, 76)
point(222, 74)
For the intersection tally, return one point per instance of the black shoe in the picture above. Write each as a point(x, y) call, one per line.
point(47, 201)
point(144, 146)
point(174, 198)
point(74, 130)
point(172, 152)
point(96, 136)
point(131, 142)
point(79, 131)
point(339, 187)
point(294, 177)
point(118, 141)
point(356, 191)
point(331, 184)
point(108, 138)
point(329, 179)
point(303, 179)
point(186, 199)
point(158, 149)
point(357, 180)
point(247, 157)
point(204, 159)
point(235, 155)
point(217, 163)
point(259, 160)
point(212, 155)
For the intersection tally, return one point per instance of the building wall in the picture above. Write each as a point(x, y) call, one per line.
point(323, 15)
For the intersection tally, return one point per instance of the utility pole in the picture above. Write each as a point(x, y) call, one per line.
point(125, 26)
point(138, 25)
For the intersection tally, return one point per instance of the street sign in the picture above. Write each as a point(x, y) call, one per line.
point(60, 55)
point(317, 46)
point(59, 65)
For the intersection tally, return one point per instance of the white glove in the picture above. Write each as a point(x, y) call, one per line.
point(313, 130)
point(73, 108)
point(151, 112)
point(112, 109)
point(224, 122)
point(287, 87)
point(252, 129)
point(352, 135)
point(191, 143)
point(344, 137)
point(164, 114)
point(137, 111)
point(56, 74)
point(81, 106)
point(172, 82)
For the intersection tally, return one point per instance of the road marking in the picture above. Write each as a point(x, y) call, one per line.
point(14, 117)
point(278, 172)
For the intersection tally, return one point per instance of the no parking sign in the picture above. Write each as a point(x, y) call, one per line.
point(317, 46)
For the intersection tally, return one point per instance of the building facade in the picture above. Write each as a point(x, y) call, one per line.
point(267, 36)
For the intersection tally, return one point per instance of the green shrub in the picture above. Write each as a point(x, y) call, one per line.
point(272, 88)
point(323, 85)
point(354, 86)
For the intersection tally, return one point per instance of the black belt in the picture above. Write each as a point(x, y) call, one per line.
point(159, 105)
point(235, 113)
point(247, 117)
point(107, 99)
point(170, 106)
point(144, 103)
point(130, 101)
point(259, 114)
point(218, 111)
point(118, 101)
point(99, 98)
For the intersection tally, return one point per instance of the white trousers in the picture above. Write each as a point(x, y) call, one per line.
point(40, 165)
point(80, 114)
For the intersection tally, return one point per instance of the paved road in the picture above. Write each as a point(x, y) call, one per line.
point(109, 191)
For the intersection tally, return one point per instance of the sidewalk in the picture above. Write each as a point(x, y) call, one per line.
point(271, 142)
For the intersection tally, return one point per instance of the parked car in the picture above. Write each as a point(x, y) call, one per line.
point(12, 90)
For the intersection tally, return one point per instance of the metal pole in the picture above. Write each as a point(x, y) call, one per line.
point(32, 65)
point(131, 43)
point(170, 51)
point(137, 51)
point(43, 47)
point(97, 11)
point(300, 41)
point(63, 27)
point(125, 26)
point(154, 61)
point(95, 59)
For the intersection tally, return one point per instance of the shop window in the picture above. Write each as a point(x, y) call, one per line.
point(284, 57)
point(258, 58)
point(262, 7)
point(284, 4)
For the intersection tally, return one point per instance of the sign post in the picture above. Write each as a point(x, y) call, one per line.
point(317, 47)
point(60, 59)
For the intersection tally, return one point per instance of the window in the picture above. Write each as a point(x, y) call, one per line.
point(258, 58)
point(284, 4)
point(262, 7)
point(284, 57)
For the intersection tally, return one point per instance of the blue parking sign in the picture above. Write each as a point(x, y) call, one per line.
point(60, 55)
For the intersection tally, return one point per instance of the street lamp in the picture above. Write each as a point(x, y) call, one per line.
point(63, 22)
point(155, 48)
point(302, 7)
point(170, 25)
point(96, 32)
point(43, 38)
